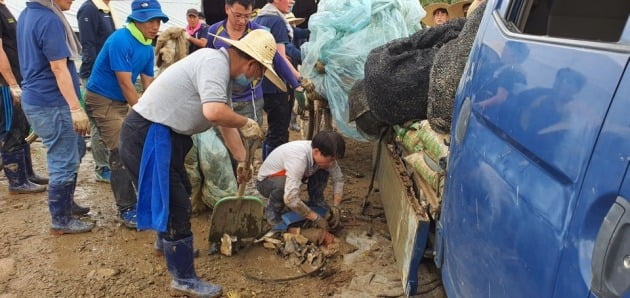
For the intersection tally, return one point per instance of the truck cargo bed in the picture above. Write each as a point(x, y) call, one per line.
point(407, 221)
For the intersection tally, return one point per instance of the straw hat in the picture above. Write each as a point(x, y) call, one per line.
point(457, 9)
point(293, 20)
point(260, 45)
point(430, 9)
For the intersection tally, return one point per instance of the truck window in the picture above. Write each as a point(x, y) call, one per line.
point(602, 20)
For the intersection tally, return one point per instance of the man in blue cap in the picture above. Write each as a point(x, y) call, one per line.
point(126, 54)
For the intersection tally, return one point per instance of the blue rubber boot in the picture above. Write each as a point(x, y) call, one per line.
point(28, 164)
point(60, 206)
point(14, 165)
point(180, 263)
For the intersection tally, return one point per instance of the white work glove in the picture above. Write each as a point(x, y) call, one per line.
point(243, 172)
point(251, 130)
point(80, 121)
point(186, 35)
point(16, 93)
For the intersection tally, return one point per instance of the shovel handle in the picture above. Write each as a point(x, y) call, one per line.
point(241, 190)
point(250, 147)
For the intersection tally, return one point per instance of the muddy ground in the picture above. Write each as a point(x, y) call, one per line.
point(113, 261)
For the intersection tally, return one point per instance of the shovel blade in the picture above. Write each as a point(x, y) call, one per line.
point(240, 217)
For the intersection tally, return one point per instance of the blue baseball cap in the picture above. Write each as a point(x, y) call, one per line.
point(145, 10)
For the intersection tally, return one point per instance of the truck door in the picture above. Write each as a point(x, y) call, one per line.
point(603, 196)
point(536, 161)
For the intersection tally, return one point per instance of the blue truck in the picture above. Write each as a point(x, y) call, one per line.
point(536, 196)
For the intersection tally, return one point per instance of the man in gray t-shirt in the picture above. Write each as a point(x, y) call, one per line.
point(189, 97)
point(179, 94)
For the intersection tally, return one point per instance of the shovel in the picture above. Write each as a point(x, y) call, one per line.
point(240, 216)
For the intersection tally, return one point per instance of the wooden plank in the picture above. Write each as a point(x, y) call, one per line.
point(407, 222)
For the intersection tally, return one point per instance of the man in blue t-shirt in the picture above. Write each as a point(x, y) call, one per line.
point(127, 54)
point(95, 25)
point(277, 103)
point(50, 99)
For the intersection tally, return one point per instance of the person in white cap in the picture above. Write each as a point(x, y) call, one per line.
point(188, 98)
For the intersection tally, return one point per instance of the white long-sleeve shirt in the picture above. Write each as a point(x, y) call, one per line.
point(295, 161)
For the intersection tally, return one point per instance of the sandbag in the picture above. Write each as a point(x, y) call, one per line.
point(360, 113)
point(420, 137)
point(211, 173)
point(433, 144)
point(399, 132)
point(411, 138)
point(397, 73)
point(435, 179)
point(171, 47)
point(448, 67)
point(342, 34)
point(191, 163)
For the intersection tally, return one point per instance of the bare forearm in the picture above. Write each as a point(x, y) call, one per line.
point(146, 81)
point(127, 87)
point(233, 142)
point(5, 68)
point(221, 114)
point(130, 94)
point(65, 84)
point(282, 51)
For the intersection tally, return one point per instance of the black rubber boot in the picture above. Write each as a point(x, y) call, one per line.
point(15, 170)
point(76, 208)
point(180, 263)
point(79, 210)
point(60, 205)
point(28, 162)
